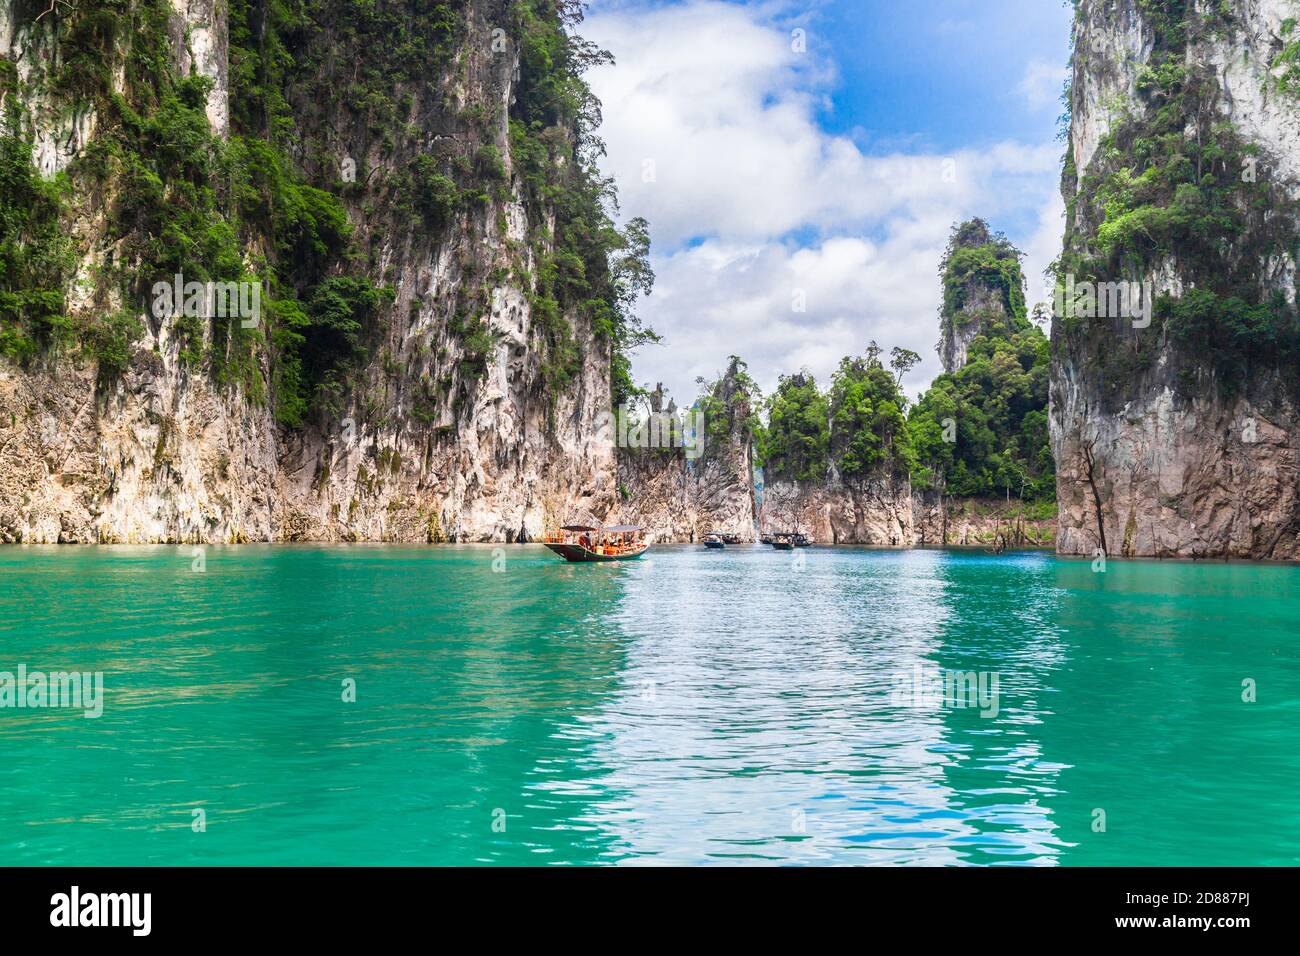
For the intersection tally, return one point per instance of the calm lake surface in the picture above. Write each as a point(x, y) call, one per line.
point(692, 707)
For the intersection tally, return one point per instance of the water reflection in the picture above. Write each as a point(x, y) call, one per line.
point(696, 707)
point(224, 692)
point(757, 711)
point(1002, 621)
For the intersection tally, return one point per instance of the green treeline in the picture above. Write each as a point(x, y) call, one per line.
point(980, 430)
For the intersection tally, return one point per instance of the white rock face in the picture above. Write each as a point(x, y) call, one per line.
point(871, 512)
point(58, 135)
point(1112, 43)
point(162, 455)
point(884, 513)
point(207, 53)
point(957, 334)
point(679, 500)
point(1168, 474)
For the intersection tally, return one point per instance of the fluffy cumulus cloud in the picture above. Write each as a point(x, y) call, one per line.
point(774, 239)
point(1042, 83)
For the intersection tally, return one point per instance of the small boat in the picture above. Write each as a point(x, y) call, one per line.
point(715, 542)
point(731, 539)
point(582, 543)
point(782, 541)
point(800, 540)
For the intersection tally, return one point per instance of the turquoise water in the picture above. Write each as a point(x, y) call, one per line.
point(693, 707)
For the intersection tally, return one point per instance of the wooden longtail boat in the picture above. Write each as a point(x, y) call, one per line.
point(715, 542)
point(581, 543)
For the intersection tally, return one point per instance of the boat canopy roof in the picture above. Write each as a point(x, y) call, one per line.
point(578, 527)
point(624, 527)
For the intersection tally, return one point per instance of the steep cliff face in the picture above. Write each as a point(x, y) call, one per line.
point(683, 493)
point(1173, 398)
point(874, 511)
point(676, 499)
point(886, 513)
point(983, 291)
point(425, 367)
point(981, 522)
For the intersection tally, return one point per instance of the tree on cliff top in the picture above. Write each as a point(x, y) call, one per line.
point(979, 260)
point(859, 424)
point(869, 433)
point(981, 430)
point(797, 440)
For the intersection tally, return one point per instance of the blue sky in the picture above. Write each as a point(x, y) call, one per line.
point(898, 68)
point(800, 194)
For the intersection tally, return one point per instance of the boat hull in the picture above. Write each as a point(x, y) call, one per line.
point(580, 555)
point(783, 545)
point(714, 545)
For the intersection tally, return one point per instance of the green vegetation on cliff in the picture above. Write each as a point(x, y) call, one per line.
point(796, 443)
point(978, 431)
point(588, 267)
point(1173, 184)
point(979, 265)
point(731, 407)
point(33, 254)
point(981, 429)
point(281, 201)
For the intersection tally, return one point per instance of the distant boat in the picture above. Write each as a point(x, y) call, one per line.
point(582, 543)
point(715, 542)
point(787, 540)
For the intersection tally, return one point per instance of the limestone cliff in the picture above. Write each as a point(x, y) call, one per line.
point(976, 522)
point(883, 513)
point(683, 493)
point(427, 367)
point(983, 290)
point(1173, 396)
point(873, 511)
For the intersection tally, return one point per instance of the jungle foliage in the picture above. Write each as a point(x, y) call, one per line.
point(979, 431)
point(269, 202)
point(1173, 183)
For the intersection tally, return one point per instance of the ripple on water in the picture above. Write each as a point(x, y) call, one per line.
point(700, 707)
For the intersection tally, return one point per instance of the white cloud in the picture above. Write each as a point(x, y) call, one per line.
point(711, 124)
point(1042, 248)
point(1042, 83)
